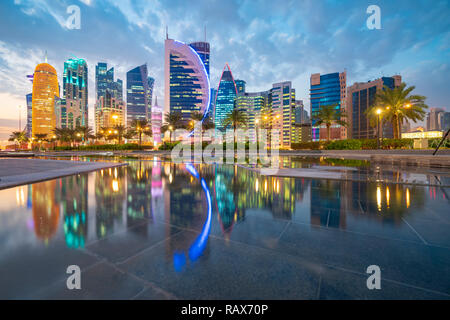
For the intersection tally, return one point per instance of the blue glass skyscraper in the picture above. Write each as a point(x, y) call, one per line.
point(138, 94)
point(225, 97)
point(328, 89)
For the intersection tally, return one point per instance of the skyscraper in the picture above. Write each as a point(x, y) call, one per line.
point(186, 80)
point(360, 97)
point(103, 79)
point(225, 96)
point(138, 94)
point(282, 111)
point(435, 119)
point(240, 86)
point(45, 89)
point(74, 107)
point(157, 117)
point(253, 104)
point(109, 112)
point(202, 48)
point(328, 89)
point(29, 98)
point(301, 115)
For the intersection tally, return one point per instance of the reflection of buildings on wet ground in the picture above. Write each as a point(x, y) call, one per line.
point(46, 211)
point(74, 207)
point(110, 195)
point(138, 192)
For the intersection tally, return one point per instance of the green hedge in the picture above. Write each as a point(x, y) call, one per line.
point(350, 144)
point(95, 147)
point(433, 143)
point(354, 144)
point(312, 145)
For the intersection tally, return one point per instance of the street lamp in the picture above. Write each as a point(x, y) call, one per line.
point(379, 111)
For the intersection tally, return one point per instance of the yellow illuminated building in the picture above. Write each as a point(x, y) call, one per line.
point(45, 89)
point(422, 135)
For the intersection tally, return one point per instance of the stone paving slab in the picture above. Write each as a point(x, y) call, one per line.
point(14, 172)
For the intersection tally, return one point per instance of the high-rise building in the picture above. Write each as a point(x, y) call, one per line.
point(301, 115)
point(212, 106)
point(240, 86)
point(110, 112)
point(45, 90)
point(202, 49)
point(74, 107)
point(157, 118)
point(361, 97)
point(104, 80)
point(138, 94)
point(151, 86)
point(253, 104)
point(187, 87)
point(446, 121)
point(435, 119)
point(29, 98)
point(282, 112)
point(225, 97)
point(328, 89)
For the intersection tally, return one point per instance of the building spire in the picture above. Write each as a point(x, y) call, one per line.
point(167, 32)
point(45, 57)
point(156, 100)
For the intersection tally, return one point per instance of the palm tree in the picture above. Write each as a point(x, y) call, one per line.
point(172, 121)
point(84, 132)
point(40, 137)
point(121, 130)
point(397, 105)
point(329, 115)
point(235, 119)
point(19, 137)
point(141, 127)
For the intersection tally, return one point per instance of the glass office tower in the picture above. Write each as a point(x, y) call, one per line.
point(187, 86)
point(74, 108)
point(138, 94)
point(225, 96)
point(328, 89)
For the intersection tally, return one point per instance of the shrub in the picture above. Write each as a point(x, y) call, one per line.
point(433, 143)
point(349, 144)
point(99, 147)
point(311, 145)
point(397, 143)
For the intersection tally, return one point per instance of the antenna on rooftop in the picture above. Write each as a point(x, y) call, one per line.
point(167, 32)
point(45, 57)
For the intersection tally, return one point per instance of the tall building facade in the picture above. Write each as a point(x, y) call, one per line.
point(240, 86)
point(446, 121)
point(138, 94)
point(104, 83)
point(328, 89)
point(435, 119)
point(361, 97)
point(186, 80)
point(202, 49)
point(110, 112)
point(74, 106)
point(253, 104)
point(301, 115)
point(225, 97)
point(282, 112)
point(29, 99)
point(156, 122)
point(45, 90)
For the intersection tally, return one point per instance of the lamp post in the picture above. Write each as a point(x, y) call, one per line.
point(378, 128)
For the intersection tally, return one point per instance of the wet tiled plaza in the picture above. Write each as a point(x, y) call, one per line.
point(159, 230)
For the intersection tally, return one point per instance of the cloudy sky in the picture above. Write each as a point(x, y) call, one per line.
point(264, 41)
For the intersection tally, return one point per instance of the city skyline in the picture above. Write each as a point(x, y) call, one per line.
point(251, 45)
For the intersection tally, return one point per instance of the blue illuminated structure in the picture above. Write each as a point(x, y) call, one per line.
point(186, 80)
point(198, 246)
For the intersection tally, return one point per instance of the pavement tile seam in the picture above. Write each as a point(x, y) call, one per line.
point(387, 280)
point(415, 231)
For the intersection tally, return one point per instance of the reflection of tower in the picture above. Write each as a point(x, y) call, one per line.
point(45, 201)
point(109, 196)
point(327, 207)
point(224, 196)
point(157, 189)
point(74, 203)
point(139, 191)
